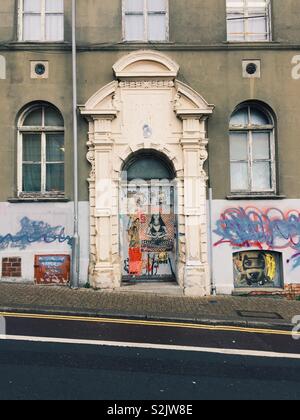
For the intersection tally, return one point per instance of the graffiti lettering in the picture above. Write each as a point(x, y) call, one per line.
point(34, 232)
point(251, 227)
point(296, 261)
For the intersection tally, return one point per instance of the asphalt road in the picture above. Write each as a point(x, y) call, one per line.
point(103, 370)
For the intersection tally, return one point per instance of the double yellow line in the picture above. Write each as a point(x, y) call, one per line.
point(182, 325)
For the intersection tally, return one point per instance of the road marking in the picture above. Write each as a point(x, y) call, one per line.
point(149, 323)
point(226, 352)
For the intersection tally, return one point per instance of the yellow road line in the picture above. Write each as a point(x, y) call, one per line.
point(150, 323)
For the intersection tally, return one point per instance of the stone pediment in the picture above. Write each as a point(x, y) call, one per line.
point(146, 70)
point(145, 64)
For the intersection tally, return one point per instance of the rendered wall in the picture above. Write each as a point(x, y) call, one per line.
point(33, 229)
point(247, 226)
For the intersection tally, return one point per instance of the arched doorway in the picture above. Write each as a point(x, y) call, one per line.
point(148, 219)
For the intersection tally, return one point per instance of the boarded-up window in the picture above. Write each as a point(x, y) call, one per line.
point(257, 269)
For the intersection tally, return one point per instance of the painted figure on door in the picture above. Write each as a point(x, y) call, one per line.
point(134, 232)
point(157, 228)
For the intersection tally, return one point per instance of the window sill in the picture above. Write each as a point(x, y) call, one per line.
point(250, 42)
point(255, 197)
point(38, 199)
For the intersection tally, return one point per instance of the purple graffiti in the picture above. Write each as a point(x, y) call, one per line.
point(251, 227)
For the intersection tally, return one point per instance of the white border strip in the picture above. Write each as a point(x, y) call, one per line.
point(227, 352)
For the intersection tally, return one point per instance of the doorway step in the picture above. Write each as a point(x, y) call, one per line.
point(167, 289)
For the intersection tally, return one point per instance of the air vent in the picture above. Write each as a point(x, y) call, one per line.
point(251, 69)
point(39, 69)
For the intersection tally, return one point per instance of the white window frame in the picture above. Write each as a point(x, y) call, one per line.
point(146, 25)
point(245, 6)
point(21, 14)
point(249, 130)
point(43, 131)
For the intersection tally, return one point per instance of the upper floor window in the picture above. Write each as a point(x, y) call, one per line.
point(41, 20)
point(41, 151)
point(145, 20)
point(252, 150)
point(248, 20)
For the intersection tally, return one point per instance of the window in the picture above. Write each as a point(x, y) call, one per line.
point(41, 152)
point(248, 20)
point(252, 150)
point(145, 20)
point(41, 20)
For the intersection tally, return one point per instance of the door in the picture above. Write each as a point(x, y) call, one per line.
point(148, 232)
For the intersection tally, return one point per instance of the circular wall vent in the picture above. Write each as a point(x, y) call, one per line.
point(40, 69)
point(251, 68)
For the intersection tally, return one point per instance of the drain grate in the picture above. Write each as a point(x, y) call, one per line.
point(262, 315)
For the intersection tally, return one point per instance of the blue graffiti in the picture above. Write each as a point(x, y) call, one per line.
point(252, 227)
point(296, 261)
point(34, 232)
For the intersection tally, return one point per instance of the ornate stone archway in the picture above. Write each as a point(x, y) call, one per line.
point(147, 93)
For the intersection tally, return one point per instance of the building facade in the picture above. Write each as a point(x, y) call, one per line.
point(188, 137)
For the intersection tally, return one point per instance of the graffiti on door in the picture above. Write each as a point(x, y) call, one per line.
point(149, 232)
point(257, 269)
point(151, 243)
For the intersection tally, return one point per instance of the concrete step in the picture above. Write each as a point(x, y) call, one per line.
point(168, 289)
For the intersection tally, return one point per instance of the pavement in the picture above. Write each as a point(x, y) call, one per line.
point(228, 310)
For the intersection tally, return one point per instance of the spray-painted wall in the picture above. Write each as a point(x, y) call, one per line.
point(28, 230)
point(256, 244)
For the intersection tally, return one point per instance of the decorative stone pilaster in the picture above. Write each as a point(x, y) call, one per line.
point(196, 275)
point(103, 271)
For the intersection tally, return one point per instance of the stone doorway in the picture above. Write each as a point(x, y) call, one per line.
point(147, 109)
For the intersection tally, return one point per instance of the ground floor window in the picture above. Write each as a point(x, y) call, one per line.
point(41, 152)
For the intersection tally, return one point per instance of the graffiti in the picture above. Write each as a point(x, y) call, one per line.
point(149, 234)
point(257, 269)
point(52, 269)
point(147, 265)
point(251, 227)
point(34, 232)
point(295, 260)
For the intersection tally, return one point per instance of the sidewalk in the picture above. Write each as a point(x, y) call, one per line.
point(259, 312)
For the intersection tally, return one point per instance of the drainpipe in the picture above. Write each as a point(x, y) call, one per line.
point(76, 242)
point(212, 279)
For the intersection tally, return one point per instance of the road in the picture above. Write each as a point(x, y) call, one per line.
point(61, 358)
